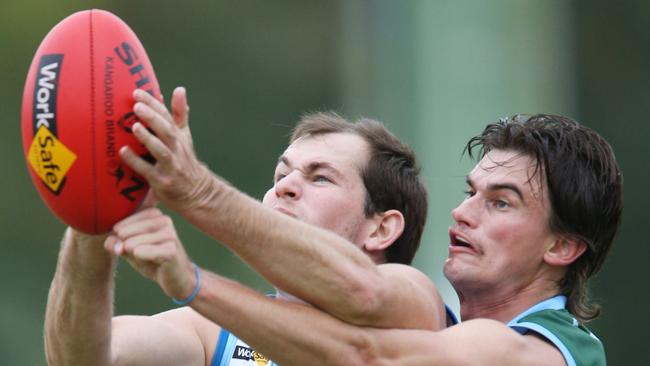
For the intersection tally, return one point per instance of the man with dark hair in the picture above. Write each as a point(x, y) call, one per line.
point(583, 184)
point(347, 199)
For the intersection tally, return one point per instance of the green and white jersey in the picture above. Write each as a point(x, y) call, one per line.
point(550, 319)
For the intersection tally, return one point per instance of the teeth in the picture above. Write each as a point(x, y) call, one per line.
point(461, 241)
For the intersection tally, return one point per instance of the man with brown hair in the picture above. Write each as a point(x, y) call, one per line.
point(347, 199)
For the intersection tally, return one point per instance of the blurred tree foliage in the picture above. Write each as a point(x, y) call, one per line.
point(613, 80)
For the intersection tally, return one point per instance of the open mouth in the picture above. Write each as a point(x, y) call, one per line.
point(457, 241)
point(460, 242)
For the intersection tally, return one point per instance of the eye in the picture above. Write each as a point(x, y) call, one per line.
point(500, 204)
point(469, 193)
point(278, 177)
point(321, 179)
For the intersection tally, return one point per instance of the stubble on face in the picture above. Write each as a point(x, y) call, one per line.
point(326, 169)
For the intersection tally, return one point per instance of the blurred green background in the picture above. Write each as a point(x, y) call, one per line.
point(435, 71)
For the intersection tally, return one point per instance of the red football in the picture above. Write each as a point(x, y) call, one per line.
point(77, 112)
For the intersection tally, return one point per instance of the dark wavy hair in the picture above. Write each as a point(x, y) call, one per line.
point(585, 188)
point(391, 177)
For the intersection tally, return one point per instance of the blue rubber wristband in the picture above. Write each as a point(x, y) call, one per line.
point(196, 289)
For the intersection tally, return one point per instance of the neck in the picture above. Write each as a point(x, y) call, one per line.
point(502, 306)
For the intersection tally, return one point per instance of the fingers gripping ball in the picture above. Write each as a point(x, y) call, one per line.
point(77, 113)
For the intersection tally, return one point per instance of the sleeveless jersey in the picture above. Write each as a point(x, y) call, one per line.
point(550, 319)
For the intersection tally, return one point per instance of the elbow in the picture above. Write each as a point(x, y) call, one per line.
point(365, 350)
point(355, 346)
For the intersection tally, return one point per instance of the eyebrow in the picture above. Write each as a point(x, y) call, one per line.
point(313, 166)
point(498, 187)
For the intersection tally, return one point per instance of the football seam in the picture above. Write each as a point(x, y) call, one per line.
point(92, 122)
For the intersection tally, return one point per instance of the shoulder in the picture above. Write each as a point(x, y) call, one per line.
point(404, 276)
point(578, 345)
point(408, 273)
point(417, 295)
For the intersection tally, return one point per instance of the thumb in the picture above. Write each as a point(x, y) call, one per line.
point(113, 245)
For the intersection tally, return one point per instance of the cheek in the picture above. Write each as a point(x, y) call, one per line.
point(516, 241)
point(502, 232)
point(269, 197)
point(338, 212)
point(506, 240)
point(329, 212)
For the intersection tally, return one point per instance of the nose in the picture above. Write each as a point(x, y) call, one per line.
point(289, 186)
point(465, 213)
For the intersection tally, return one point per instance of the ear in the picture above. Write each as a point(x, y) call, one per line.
point(564, 251)
point(385, 228)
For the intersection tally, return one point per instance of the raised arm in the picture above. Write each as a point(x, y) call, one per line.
point(79, 324)
point(308, 262)
point(79, 306)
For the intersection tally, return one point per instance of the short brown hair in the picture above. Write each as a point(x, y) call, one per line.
point(391, 176)
point(585, 188)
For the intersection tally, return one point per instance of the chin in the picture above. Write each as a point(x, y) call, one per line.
point(453, 270)
point(447, 269)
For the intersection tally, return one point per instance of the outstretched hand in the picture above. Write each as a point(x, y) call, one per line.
point(177, 177)
point(149, 242)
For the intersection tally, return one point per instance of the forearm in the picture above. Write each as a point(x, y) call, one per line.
point(308, 262)
point(288, 333)
point(79, 308)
